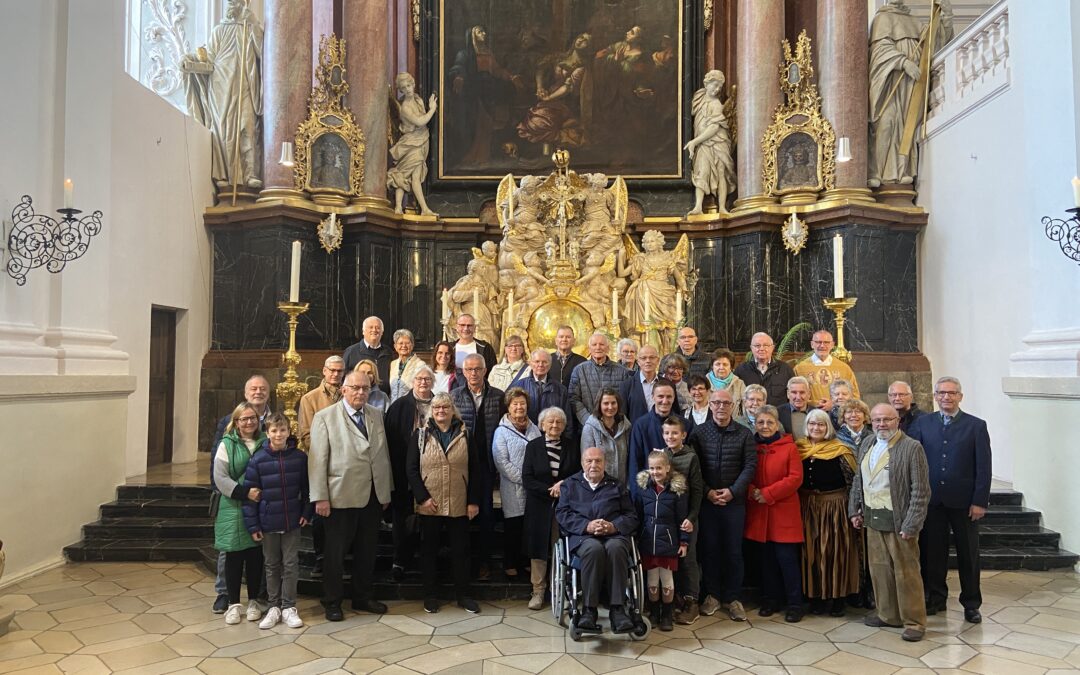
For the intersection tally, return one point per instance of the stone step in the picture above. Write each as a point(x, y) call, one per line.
point(163, 491)
point(1017, 536)
point(1032, 558)
point(149, 528)
point(143, 550)
point(1006, 498)
point(156, 508)
point(1012, 515)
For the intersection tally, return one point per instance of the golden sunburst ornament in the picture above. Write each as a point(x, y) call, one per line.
point(794, 234)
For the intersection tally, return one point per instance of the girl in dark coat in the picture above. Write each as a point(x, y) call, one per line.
point(548, 460)
point(662, 504)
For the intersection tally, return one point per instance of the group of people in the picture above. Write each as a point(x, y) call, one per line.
point(690, 453)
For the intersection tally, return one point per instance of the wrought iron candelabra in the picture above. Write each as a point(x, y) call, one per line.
point(37, 240)
point(1066, 233)
point(839, 307)
point(290, 390)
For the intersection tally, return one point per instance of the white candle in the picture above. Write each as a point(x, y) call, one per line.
point(648, 305)
point(614, 304)
point(69, 194)
point(333, 223)
point(838, 266)
point(476, 305)
point(294, 276)
point(678, 306)
point(1075, 184)
point(510, 305)
point(445, 305)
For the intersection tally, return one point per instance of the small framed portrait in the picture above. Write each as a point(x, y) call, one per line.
point(798, 163)
point(330, 160)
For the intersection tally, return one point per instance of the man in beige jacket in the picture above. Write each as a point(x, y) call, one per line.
point(350, 482)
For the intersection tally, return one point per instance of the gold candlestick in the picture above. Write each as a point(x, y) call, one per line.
point(291, 389)
point(839, 307)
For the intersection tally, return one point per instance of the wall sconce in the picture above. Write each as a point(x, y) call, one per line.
point(287, 154)
point(36, 240)
point(843, 149)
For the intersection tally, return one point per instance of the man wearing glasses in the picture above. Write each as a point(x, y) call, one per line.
point(773, 375)
point(371, 348)
point(902, 399)
point(889, 494)
point(468, 343)
point(957, 446)
point(728, 457)
point(350, 483)
point(821, 370)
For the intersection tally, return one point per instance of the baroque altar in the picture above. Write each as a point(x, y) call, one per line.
point(566, 259)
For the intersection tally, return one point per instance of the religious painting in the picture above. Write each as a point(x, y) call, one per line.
point(518, 79)
point(797, 163)
point(330, 159)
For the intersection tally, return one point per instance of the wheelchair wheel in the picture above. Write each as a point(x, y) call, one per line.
point(642, 628)
point(557, 584)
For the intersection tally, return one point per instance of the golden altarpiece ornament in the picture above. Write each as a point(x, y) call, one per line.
point(799, 147)
point(329, 145)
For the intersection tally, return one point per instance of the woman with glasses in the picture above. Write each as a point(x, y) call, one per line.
point(444, 474)
point(404, 367)
point(243, 436)
point(376, 397)
point(513, 366)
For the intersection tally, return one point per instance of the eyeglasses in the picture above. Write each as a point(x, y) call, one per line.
point(466, 325)
point(336, 371)
point(821, 342)
point(423, 379)
point(884, 420)
point(946, 393)
point(441, 407)
point(721, 404)
point(247, 420)
point(478, 369)
point(356, 387)
point(760, 346)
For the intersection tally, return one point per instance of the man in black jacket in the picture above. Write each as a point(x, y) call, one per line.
point(773, 375)
point(564, 359)
point(372, 348)
point(481, 407)
point(902, 399)
point(728, 457)
point(468, 343)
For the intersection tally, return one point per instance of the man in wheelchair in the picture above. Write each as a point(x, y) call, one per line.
point(596, 514)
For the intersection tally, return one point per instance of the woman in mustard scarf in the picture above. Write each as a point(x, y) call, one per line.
point(830, 564)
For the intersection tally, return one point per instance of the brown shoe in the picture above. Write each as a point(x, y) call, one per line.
point(736, 610)
point(911, 635)
point(875, 621)
point(689, 613)
point(709, 607)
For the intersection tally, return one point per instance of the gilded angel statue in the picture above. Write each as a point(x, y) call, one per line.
point(656, 276)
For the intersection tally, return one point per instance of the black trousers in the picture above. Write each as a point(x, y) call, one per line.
point(318, 534)
point(249, 560)
point(934, 550)
point(457, 532)
point(403, 522)
point(355, 531)
point(720, 544)
point(513, 558)
point(781, 576)
point(604, 557)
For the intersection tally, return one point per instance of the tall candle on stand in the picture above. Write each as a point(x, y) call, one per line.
point(69, 194)
point(614, 304)
point(648, 305)
point(510, 306)
point(445, 305)
point(678, 306)
point(294, 276)
point(838, 266)
point(476, 305)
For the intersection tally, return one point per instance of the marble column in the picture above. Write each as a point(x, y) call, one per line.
point(844, 83)
point(286, 84)
point(760, 33)
point(367, 62)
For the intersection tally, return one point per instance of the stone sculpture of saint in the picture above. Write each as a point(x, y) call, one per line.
point(224, 93)
point(485, 309)
point(410, 152)
point(656, 275)
point(710, 149)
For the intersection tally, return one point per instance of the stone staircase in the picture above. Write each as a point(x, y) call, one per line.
point(166, 523)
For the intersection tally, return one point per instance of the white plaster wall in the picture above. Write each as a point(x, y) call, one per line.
point(988, 275)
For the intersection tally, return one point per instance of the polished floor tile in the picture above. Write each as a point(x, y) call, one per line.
point(151, 618)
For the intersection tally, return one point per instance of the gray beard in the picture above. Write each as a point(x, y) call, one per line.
point(885, 435)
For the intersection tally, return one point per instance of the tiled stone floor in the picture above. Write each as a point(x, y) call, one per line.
point(155, 618)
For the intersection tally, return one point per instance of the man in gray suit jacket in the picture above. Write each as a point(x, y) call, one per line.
point(350, 483)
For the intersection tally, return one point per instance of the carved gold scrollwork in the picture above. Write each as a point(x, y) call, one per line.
point(797, 130)
point(415, 12)
point(708, 11)
point(327, 115)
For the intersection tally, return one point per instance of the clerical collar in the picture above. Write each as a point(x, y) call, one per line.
point(827, 361)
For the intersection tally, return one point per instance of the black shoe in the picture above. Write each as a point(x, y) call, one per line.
point(972, 616)
point(817, 606)
point(370, 606)
point(875, 621)
point(334, 613)
point(794, 614)
point(397, 573)
point(431, 605)
point(221, 604)
point(933, 608)
point(469, 605)
point(766, 610)
point(620, 621)
point(666, 623)
point(316, 569)
point(837, 608)
point(588, 620)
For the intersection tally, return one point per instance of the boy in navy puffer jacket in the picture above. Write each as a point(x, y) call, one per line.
point(662, 505)
point(279, 471)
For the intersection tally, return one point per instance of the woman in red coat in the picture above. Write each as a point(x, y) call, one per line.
point(773, 517)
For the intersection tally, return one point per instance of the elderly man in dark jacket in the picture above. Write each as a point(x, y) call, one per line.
point(728, 457)
point(596, 512)
point(371, 348)
point(481, 407)
point(763, 370)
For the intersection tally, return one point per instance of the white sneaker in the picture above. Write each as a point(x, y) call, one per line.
point(273, 615)
point(536, 601)
point(232, 614)
point(292, 618)
point(253, 611)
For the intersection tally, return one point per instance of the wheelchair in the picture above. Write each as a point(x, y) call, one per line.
point(565, 585)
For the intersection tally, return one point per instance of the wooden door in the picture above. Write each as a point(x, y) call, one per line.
point(159, 437)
